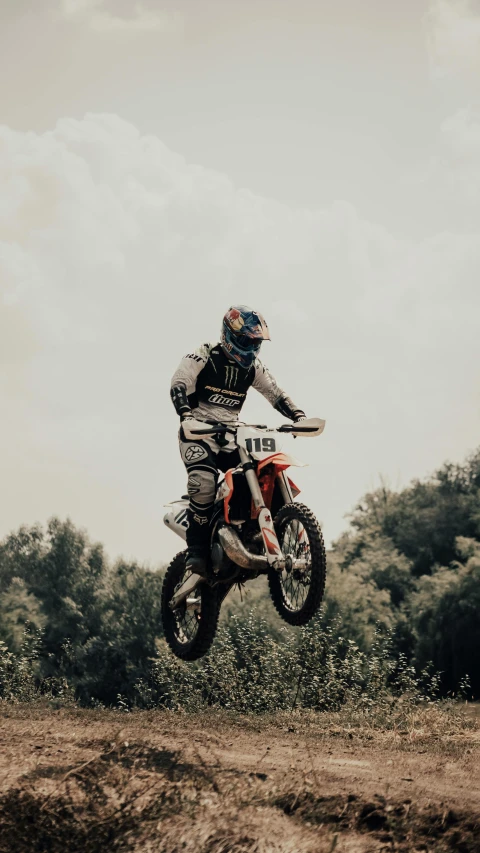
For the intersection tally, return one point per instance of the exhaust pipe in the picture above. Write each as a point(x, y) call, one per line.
point(236, 551)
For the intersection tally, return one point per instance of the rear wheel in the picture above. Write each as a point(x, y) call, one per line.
point(297, 590)
point(190, 628)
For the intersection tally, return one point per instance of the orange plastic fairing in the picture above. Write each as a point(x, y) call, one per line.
point(228, 498)
point(294, 488)
point(280, 460)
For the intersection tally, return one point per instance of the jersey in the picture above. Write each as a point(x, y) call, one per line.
point(216, 387)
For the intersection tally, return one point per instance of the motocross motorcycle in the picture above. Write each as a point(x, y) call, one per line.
point(256, 528)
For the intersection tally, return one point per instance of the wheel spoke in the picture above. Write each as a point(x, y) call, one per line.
point(187, 620)
point(295, 583)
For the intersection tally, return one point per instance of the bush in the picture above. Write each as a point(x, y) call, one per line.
point(248, 671)
point(97, 624)
point(20, 679)
point(409, 568)
point(445, 612)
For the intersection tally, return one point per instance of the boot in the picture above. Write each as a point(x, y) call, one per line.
point(198, 541)
point(197, 564)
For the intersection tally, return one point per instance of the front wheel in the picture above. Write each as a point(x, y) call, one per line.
point(297, 590)
point(190, 628)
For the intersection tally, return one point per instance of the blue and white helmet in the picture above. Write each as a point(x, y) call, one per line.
point(243, 331)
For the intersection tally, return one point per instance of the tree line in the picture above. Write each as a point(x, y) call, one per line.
point(408, 566)
point(411, 562)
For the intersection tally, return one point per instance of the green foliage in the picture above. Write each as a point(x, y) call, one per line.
point(408, 545)
point(112, 659)
point(20, 679)
point(99, 624)
point(358, 594)
point(409, 567)
point(424, 520)
point(248, 671)
point(445, 613)
point(18, 607)
point(17, 674)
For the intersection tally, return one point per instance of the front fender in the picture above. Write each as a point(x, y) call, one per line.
point(281, 461)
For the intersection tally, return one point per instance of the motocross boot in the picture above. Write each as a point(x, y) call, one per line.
point(197, 564)
point(198, 541)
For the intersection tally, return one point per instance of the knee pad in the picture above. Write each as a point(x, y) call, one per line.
point(201, 488)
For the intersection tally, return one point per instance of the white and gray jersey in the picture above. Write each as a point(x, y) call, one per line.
point(216, 387)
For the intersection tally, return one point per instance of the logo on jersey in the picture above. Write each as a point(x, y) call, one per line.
point(231, 374)
point(220, 400)
point(194, 453)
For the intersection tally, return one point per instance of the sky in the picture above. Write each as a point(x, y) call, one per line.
point(161, 161)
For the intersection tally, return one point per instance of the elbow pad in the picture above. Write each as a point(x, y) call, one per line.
point(288, 409)
point(180, 400)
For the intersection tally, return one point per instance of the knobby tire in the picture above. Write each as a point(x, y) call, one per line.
point(300, 512)
point(209, 612)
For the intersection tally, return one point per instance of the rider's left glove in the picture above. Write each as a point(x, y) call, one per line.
point(180, 400)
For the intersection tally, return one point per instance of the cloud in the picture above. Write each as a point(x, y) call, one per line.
point(452, 180)
point(89, 203)
point(461, 139)
point(453, 37)
point(461, 134)
point(117, 256)
point(97, 15)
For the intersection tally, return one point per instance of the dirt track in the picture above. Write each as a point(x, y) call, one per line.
point(75, 780)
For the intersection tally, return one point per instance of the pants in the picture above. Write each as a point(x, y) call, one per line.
point(203, 460)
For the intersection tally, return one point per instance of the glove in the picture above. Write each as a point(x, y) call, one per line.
point(300, 417)
point(288, 409)
point(186, 416)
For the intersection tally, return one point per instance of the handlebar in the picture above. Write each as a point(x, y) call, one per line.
point(309, 426)
point(218, 429)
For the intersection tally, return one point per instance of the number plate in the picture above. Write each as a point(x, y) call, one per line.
point(260, 443)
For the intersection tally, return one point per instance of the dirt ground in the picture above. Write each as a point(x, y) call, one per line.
point(75, 780)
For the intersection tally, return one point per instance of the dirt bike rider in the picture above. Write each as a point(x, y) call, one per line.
point(211, 384)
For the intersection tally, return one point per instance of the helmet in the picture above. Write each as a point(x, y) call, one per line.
point(243, 331)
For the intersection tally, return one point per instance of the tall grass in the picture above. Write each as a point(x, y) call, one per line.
point(248, 671)
point(20, 674)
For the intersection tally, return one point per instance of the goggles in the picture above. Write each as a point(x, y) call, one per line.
point(248, 343)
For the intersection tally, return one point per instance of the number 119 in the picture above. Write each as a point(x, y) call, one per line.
point(267, 445)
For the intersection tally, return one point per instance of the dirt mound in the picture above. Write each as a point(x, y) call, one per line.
point(83, 782)
point(402, 824)
point(133, 795)
point(100, 804)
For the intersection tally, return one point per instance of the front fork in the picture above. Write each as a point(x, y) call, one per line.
point(273, 551)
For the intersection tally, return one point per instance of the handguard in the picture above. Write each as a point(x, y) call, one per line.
point(194, 430)
point(309, 428)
